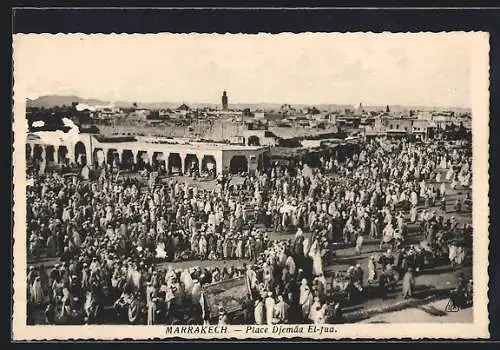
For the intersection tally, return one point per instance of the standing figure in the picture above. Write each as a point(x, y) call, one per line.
point(152, 310)
point(408, 283)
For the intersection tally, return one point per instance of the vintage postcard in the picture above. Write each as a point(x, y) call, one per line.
point(210, 186)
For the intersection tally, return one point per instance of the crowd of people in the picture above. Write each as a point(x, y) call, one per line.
point(112, 238)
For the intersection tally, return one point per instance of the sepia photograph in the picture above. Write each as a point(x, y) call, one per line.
point(270, 185)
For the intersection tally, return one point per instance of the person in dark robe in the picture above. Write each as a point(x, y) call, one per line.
point(51, 245)
point(66, 255)
point(457, 296)
point(443, 203)
point(44, 279)
point(211, 243)
point(247, 306)
point(54, 274)
point(258, 246)
point(458, 205)
point(398, 258)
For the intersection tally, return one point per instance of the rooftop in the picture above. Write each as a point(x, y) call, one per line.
point(188, 144)
point(288, 133)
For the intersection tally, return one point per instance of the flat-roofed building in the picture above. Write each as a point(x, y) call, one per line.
point(175, 155)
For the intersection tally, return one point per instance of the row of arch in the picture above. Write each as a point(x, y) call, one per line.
point(48, 153)
point(126, 159)
point(173, 162)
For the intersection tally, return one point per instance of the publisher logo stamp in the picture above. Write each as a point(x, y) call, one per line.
point(451, 307)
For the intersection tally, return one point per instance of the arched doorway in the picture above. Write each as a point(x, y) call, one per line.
point(127, 159)
point(312, 159)
point(253, 141)
point(113, 158)
point(174, 163)
point(38, 153)
point(191, 163)
point(98, 157)
point(80, 153)
point(28, 152)
point(62, 154)
point(266, 161)
point(142, 160)
point(49, 153)
point(209, 165)
point(158, 161)
point(238, 164)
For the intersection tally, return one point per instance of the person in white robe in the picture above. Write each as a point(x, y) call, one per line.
point(321, 315)
point(95, 266)
point(359, 244)
point(438, 177)
point(205, 308)
point(223, 317)
point(37, 295)
point(188, 283)
point(195, 291)
point(259, 311)
point(251, 280)
point(150, 292)
point(413, 214)
point(442, 164)
point(306, 246)
point(269, 304)
point(282, 257)
point(442, 189)
point(169, 274)
point(315, 307)
point(315, 255)
point(202, 246)
point(76, 239)
point(281, 311)
point(372, 274)
point(305, 299)
point(414, 198)
point(290, 263)
point(152, 311)
point(136, 279)
point(387, 235)
point(299, 233)
point(160, 251)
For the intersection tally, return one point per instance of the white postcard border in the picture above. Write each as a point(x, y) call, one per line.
point(477, 329)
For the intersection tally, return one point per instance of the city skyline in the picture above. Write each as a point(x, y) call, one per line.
point(303, 69)
point(263, 104)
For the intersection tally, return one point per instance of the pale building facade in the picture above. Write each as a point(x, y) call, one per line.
point(176, 155)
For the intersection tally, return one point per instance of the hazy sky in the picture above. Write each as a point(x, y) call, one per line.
point(418, 69)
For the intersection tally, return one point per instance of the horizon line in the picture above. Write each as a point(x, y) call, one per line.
point(255, 103)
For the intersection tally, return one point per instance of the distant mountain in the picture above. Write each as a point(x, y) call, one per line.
point(48, 101)
point(58, 100)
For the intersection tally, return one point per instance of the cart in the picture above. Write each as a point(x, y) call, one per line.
point(344, 290)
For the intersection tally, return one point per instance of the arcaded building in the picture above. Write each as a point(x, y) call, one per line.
point(175, 155)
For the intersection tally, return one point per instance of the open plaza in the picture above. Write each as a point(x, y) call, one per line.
point(154, 230)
